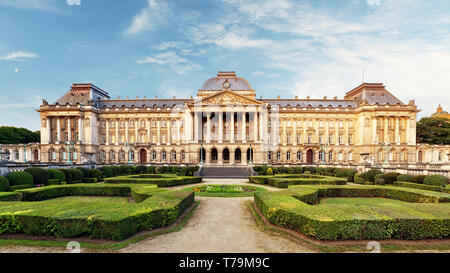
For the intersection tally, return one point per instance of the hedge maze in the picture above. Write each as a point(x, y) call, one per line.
point(51, 211)
point(162, 180)
point(421, 215)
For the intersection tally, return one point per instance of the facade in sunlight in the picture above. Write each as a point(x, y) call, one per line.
point(227, 124)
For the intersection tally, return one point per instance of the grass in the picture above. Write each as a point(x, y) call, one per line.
point(105, 245)
point(225, 194)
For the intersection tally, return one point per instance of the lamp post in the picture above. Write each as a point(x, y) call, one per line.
point(130, 146)
point(251, 163)
point(68, 147)
point(201, 153)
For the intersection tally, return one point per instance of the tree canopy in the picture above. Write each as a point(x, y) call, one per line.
point(14, 135)
point(433, 131)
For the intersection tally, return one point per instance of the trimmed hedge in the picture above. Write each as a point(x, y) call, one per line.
point(292, 209)
point(20, 178)
point(52, 182)
point(20, 187)
point(84, 170)
point(165, 181)
point(97, 174)
point(57, 174)
point(404, 178)
point(40, 176)
point(418, 179)
point(10, 196)
point(77, 175)
point(286, 182)
point(107, 171)
point(418, 186)
point(68, 175)
point(436, 180)
point(115, 221)
point(4, 183)
point(370, 175)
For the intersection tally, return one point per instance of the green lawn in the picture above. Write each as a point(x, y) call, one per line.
point(225, 194)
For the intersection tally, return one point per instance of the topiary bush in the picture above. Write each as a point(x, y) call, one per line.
point(20, 178)
point(404, 178)
point(175, 169)
point(116, 170)
point(350, 174)
point(370, 175)
point(68, 175)
point(380, 179)
point(4, 183)
point(140, 169)
point(77, 175)
point(151, 169)
point(107, 171)
point(390, 178)
point(40, 176)
point(57, 174)
point(269, 171)
point(52, 182)
point(298, 170)
point(310, 169)
point(436, 180)
point(418, 179)
point(84, 171)
point(94, 173)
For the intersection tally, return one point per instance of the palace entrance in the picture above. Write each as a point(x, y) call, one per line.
point(310, 157)
point(143, 156)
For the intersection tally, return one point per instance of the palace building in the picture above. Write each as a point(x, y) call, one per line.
point(226, 124)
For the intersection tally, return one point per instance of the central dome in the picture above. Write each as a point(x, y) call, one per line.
point(226, 80)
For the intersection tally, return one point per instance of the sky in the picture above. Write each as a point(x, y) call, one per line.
point(170, 48)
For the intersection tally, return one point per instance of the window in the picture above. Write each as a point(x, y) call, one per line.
point(163, 155)
point(340, 138)
point(350, 138)
point(321, 155)
point(143, 123)
point(183, 155)
point(320, 138)
point(113, 155)
point(299, 123)
point(331, 124)
point(288, 136)
point(330, 139)
point(103, 155)
point(122, 155)
point(299, 138)
point(321, 123)
point(350, 156)
point(309, 123)
point(309, 138)
point(174, 155)
point(163, 123)
point(299, 155)
point(103, 124)
point(288, 155)
point(278, 155)
point(341, 156)
point(330, 156)
point(17, 155)
point(132, 123)
point(122, 124)
point(269, 155)
point(153, 123)
point(341, 124)
point(153, 155)
point(132, 155)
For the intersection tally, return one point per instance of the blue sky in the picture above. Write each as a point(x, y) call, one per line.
point(169, 48)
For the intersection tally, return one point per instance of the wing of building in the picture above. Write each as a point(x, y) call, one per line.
point(226, 124)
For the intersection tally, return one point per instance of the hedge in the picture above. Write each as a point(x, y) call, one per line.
point(293, 209)
point(97, 174)
point(379, 179)
point(115, 221)
point(20, 187)
point(286, 182)
point(57, 174)
point(52, 182)
point(20, 178)
point(84, 170)
point(436, 180)
point(107, 171)
point(77, 175)
point(10, 196)
point(4, 183)
point(161, 182)
point(418, 179)
point(68, 175)
point(418, 186)
point(40, 176)
point(370, 175)
point(404, 178)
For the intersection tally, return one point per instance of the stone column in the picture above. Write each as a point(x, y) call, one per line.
point(127, 127)
point(49, 130)
point(220, 127)
point(386, 135)
point(305, 136)
point(232, 128)
point(169, 132)
point(336, 126)
point(397, 135)
point(59, 130)
point(327, 131)
point(117, 135)
point(80, 130)
point(69, 129)
point(374, 131)
point(244, 128)
point(107, 132)
point(255, 126)
point(148, 125)
point(283, 136)
point(196, 138)
point(178, 132)
point(265, 122)
point(208, 127)
point(294, 132)
point(136, 132)
point(158, 124)
point(346, 132)
point(408, 129)
point(261, 126)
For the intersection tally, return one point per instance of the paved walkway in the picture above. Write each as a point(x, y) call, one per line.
point(218, 225)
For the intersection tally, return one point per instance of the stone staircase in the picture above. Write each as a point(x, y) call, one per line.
point(225, 172)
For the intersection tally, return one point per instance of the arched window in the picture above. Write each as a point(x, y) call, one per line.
point(132, 155)
point(269, 155)
point(112, 155)
point(163, 155)
point(419, 156)
point(350, 156)
point(153, 155)
point(121, 155)
point(278, 155)
point(330, 156)
point(174, 155)
point(299, 155)
point(288, 155)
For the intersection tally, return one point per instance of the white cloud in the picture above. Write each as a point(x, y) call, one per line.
point(16, 70)
point(373, 2)
point(170, 60)
point(43, 5)
point(74, 2)
point(19, 55)
point(154, 14)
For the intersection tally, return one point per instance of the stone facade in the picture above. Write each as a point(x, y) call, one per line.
point(227, 125)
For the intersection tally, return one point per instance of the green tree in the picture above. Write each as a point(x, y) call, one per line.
point(14, 135)
point(433, 131)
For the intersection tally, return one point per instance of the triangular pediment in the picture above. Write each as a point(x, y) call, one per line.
point(227, 97)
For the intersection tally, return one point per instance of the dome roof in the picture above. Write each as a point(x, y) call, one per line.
point(226, 80)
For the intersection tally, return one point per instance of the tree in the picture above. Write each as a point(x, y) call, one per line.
point(13, 135)
point(433, 131)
